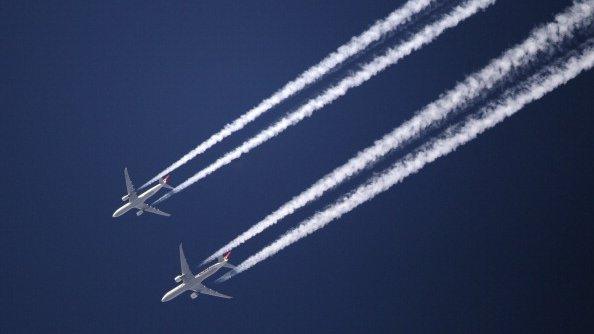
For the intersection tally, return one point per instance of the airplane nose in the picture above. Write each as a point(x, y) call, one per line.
point(117, 213)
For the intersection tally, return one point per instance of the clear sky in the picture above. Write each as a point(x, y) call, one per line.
point(495, 237)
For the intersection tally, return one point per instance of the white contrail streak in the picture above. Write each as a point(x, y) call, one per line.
point(542, 39)
point(392, 56)
point(357, 44)
point(537, 86)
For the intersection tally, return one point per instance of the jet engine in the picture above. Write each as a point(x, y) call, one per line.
point(193, 295)
point(139, 212)
point(125, 198)
point(178, 278)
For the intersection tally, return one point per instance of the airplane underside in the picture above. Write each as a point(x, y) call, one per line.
point(138, 201)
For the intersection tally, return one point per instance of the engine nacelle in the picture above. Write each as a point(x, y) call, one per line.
point(178, 278)
point(139, 212)
point(125, 198)
point(193, 295)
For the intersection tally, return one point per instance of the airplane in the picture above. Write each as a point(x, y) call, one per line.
point(189, 282)
point(138, 201)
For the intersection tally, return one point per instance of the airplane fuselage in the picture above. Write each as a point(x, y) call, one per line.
point(192, 283)
point(138, 202)
point(178, 290)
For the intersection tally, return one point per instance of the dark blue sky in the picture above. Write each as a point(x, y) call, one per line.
point(496, 237)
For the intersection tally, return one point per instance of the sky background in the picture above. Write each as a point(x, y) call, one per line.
point(495, 237)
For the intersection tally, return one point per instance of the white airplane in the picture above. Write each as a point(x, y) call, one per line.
point(189, 282)
point(138, 201)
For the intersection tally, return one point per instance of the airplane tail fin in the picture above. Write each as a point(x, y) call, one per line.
point(225, 258)
point(164, 180)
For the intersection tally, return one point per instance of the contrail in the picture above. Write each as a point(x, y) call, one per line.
point(542, 39)
point(357, 44)
point(533, 89)
point(392, 56)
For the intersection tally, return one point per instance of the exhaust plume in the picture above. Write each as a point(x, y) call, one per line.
point(311, 75)
point(511, 102)
point(542, 39)
point(367, 71)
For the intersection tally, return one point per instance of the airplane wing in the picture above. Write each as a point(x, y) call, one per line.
point(129, 185)
point(185, 269)
point(154, 210)
point(211, 292)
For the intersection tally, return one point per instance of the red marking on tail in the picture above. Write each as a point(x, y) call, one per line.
point(166, 178)
point(226, 256)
